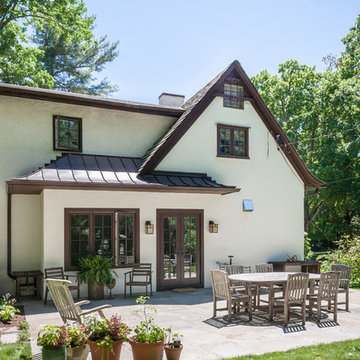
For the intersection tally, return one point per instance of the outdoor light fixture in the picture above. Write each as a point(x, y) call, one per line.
point(213, 228)
point(149, 227)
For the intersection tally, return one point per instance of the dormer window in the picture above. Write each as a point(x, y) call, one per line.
point(67, 133)
point(233, 141)
point(233, 94)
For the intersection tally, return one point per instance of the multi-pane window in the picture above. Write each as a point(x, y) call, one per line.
point(233, 141)
point(233, 94)
point(67, 133)
point(112, 233)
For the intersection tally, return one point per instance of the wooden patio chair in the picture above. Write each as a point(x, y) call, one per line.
point(64, 303)
point(140, 275)
point(295, 295)
point(345, 276)
point(58, 273)
point(328, 291)
point(239, 286)
point(222, 290)
point(264, 268)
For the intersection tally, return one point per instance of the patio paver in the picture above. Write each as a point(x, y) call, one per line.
point(207, 338)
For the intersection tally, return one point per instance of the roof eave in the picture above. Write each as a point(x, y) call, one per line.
point(35, 187)
point(86, 100)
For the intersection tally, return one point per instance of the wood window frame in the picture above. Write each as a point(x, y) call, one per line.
point(239, 97)
point(56, 147)
point(232, 128)
point(99, 211)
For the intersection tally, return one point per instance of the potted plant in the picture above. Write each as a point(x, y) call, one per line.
point(54, 340)
point(106, 337)
point(78, 348)
point(96, 272)
point(148, 342)
point(174, 346)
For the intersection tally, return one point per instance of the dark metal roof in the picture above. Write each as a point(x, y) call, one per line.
point(114, 170)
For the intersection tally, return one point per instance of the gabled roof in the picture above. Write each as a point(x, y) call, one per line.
point(198, 103)
point(80, 171)
point(87, 100)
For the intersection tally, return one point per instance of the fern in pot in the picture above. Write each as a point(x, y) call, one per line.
point(96, 272)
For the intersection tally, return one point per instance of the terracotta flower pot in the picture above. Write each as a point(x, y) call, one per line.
point(146, 351)
point(78, 352)
point(95, 291)
point(53, 352)
point(173, 353)
point(107, 352)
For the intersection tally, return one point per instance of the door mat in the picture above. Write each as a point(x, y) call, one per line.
point(182, 290)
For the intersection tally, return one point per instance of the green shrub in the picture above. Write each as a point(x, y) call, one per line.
point(24, 325)
point(7, 308)
point(347, 253)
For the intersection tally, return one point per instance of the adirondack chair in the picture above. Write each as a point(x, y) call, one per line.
point(68, 310)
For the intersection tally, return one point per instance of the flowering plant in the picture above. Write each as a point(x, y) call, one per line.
point(53, 335)
point(77, 335)
point(147, 331)
point(105, 331)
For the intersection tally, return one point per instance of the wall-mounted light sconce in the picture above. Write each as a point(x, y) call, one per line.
point(149, 227)
point(248, 205)
point(213, 228)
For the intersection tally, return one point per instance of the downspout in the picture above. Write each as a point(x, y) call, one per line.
point(9, 272)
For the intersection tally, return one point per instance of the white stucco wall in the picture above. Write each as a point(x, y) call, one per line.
point(273, 230)
point(26, 143)
point(276, 226)
point(26, 232)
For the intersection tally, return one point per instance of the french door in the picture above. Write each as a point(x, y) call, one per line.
point(179, 248)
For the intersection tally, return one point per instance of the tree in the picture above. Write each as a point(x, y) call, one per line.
point(35, 32)
point(320, 112)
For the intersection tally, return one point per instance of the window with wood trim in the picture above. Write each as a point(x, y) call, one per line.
point(113, 233)
point(233, 94)
point(233, 141)
point(67, 133)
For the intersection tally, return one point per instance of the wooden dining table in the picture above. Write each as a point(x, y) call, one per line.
point(270, 279)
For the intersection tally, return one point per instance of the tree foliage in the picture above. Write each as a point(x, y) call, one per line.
point(51, 44)
point(320, 113)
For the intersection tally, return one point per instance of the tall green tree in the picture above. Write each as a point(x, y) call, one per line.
point(320, 113)
point(35, 33)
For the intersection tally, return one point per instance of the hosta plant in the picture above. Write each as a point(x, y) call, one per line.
point(53, 335)
point(7, 308)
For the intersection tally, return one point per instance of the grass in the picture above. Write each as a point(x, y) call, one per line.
point(19, 351)
point(343, 350)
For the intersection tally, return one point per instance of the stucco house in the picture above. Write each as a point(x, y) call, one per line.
point(83, 174)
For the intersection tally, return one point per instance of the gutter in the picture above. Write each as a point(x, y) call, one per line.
point(9, 272)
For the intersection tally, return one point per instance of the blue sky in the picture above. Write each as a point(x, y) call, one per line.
point(178, 46)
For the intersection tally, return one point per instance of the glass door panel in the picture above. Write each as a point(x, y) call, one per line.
point(190, 248)
point(170, 246)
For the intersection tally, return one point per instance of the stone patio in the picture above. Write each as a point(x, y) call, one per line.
point(206, 338)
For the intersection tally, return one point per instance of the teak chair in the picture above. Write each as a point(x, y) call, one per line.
point(140, 275)
point(328, 291)
point(239, 286)
point(295, 294)
point(58, 273)
point(345, 276)
point(222, 290)
point(263, 268)
point(68, 310)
